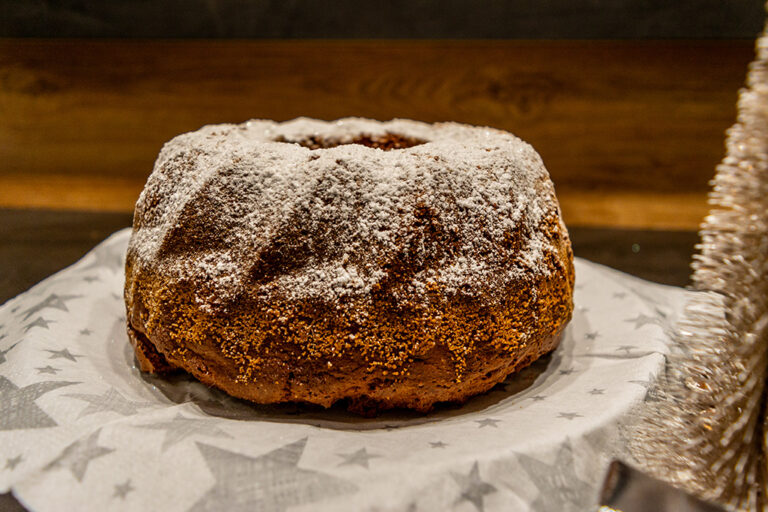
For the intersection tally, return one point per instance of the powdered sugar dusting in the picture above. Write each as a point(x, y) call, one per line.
point(234, 212)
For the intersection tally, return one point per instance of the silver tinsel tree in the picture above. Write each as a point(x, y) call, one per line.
point(707, 433)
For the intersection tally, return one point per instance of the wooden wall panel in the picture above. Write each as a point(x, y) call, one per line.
point(615, 121)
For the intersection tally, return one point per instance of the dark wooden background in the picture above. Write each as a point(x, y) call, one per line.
point(626, 100)
point(392, 19)
point(630, 131)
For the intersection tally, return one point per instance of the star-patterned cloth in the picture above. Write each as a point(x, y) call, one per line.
point(82, 428)
point(78, 455)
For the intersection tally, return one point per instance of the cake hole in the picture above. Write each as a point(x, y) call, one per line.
point(385, 142)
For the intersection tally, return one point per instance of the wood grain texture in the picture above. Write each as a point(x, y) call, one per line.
point(82, 121)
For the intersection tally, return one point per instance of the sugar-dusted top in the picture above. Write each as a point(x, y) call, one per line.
point(247, 209)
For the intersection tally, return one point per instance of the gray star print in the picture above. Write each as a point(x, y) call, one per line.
point(472, 487)
point(538, 398)
point(18, 409)
point(651, 392)
point(3, 352)
point(63, 354)
point(651, 300)
point(272, 482)
point(358, 458)
point(596, 391)
point(86, 332)
point(79, 454)
point(641, 320)
point(180, 428)
point(488, 422)
point(47, 369)
point(592, 335)
point(569, 415)
point(111, 401)
point(52, 301)
point(567, 371)
point(438, 444)
point(38, 322)
point(558, 485)
point(122, 490)
point(90, 279)
point(11, 464)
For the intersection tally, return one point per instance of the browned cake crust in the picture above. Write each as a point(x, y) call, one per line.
point(395, 338)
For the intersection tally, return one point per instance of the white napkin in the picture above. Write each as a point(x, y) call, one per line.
point(82, 429)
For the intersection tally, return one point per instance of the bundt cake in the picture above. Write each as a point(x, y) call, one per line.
point(387, 264)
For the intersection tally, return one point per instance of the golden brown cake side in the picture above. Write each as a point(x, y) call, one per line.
point(436, 305)
point(403, 357)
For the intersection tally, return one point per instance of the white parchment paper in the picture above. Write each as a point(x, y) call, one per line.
point(82, 429)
